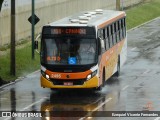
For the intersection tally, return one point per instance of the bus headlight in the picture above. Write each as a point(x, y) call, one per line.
point(92, 75)
point(45, 75)
point(89, 76)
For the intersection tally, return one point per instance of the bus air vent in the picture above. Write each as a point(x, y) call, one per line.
point(83, 21)
point(74, 21)
point(99, 11)
point(92, 13)
point(87, 15)
point(84, 18)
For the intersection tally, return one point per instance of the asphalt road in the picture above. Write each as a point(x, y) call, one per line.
point(137, 88)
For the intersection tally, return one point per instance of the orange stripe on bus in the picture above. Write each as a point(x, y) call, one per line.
point(111, 20)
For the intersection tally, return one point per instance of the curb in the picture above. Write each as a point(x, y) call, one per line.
point(17, 80)
point(12, 82)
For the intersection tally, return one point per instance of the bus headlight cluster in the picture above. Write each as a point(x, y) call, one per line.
point(45, 75)
point(92, 75)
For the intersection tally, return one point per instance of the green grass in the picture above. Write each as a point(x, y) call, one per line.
point(142, 13)
point(25, 65)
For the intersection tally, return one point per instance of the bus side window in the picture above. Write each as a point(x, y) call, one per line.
point(110, 37)
point(124, 22)
point(107, 38)
point(120, 23)
point(103, 31)
point(115, 31)
point(99, 33)
point(119, 33)
point(113, 35)
point(122, 26)
point(104, 38)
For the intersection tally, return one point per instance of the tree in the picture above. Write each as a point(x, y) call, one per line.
point(1, 1)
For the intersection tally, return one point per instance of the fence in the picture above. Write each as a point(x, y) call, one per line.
point(49, 11)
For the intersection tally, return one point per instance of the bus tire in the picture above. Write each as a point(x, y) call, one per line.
point(118, 67)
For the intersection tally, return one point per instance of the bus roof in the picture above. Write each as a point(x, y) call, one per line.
point(98, 18)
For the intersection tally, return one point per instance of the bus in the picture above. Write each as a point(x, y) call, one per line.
point(83, 50)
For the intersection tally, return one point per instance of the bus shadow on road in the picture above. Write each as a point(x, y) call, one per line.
point(113, 81)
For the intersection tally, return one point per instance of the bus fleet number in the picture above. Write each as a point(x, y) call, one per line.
point(56, 76)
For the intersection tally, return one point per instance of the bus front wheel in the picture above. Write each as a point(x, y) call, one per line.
point(103, 82)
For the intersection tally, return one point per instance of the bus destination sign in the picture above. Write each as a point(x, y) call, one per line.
point(57, 31)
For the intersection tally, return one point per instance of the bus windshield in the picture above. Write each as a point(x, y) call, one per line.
point(70, 51)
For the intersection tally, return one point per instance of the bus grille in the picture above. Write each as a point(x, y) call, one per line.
point(61, 82)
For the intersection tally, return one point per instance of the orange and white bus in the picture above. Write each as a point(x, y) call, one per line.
point(83, 50)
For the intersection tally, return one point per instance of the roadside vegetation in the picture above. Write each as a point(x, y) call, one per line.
point(25, 65)
point(142, 13)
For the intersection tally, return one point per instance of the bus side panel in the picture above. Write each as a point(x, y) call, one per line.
point(122, 52)
point(110, 59)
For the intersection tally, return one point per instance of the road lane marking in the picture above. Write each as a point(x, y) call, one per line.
point(158, 118)
point(98, 107)
point(147, 71)
point(1, 92)
point(3, 98)
point(133, 48)
point(29, 106)
point(106, 101)
point(125, 87)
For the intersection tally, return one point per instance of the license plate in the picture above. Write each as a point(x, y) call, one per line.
point(68, 83)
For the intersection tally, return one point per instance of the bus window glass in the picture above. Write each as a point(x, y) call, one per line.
point(104, 33)
point(113, 35)
point(115, 32)
point(67, 51)
point(119, 35)
point(120, 29)
point(122, 26)
point(108, 36)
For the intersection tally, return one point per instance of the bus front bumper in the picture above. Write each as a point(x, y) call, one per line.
point(92, 83)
